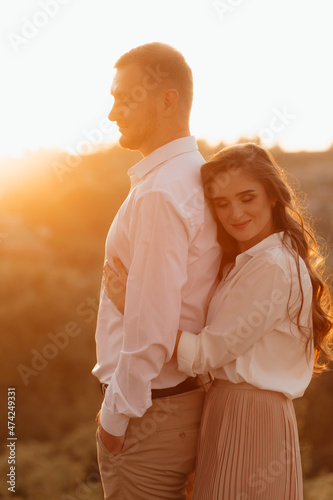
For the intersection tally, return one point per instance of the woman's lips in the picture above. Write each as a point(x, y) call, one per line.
point(241, 225)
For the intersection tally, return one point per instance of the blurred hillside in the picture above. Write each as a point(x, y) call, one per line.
point(54, 217)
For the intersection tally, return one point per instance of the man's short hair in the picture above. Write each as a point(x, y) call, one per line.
point(166, 59)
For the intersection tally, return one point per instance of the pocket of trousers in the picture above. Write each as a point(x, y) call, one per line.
point(102, 449)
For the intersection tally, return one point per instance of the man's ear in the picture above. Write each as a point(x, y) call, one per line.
point(170, 103)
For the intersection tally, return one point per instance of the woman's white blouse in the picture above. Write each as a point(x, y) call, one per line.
point(251, 334)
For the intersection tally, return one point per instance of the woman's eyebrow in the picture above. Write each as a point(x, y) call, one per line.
point(247, 191)
point(241, 193)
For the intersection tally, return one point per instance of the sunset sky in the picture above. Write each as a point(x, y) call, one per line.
point(260, 68)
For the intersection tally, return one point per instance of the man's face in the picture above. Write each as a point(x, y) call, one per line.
point(137, 106)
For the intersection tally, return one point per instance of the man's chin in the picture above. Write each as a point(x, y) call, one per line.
point(128, 143)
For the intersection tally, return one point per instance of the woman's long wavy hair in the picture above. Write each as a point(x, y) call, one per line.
point(288, 216)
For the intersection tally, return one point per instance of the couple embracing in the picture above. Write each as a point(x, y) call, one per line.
point(213, 315)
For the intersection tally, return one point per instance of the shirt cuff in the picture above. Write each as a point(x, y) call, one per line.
point(186, 353)
point(113, 424)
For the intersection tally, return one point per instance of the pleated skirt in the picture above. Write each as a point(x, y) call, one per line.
point(248, 446)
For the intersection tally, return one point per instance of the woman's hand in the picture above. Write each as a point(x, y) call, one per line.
point(115, 283)
point(179, 333)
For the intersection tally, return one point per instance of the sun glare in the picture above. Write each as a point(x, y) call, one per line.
point(260, 69)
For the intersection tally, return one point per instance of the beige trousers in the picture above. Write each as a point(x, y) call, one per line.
point(159, 451)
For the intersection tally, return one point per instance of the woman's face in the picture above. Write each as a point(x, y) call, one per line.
point(243, 207)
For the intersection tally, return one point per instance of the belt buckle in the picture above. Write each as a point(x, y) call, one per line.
point(205, 384)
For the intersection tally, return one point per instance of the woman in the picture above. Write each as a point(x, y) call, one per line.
point(268, 322)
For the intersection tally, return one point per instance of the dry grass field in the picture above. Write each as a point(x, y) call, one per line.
point(53, 223)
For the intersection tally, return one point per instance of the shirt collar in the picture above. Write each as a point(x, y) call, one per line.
point(162, 154)
point(272, 241)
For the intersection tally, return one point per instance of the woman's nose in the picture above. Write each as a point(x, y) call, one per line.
point(237, 212)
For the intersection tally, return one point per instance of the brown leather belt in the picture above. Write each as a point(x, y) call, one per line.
point(189, 384)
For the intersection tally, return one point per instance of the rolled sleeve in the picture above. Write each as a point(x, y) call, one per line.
point(113, 424)
point(186, 353)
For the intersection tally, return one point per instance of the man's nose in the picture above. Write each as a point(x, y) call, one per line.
point(119, 111)
point(112, 115)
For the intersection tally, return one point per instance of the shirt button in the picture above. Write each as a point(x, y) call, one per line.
point(182, 435)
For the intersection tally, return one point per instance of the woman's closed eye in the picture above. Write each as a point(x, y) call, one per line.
point(224, 203)
point(221, 204)
point(247, 199)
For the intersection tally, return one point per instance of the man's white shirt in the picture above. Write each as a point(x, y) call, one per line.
point(165, 236)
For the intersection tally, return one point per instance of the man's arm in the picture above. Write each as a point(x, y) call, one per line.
point(159, 241)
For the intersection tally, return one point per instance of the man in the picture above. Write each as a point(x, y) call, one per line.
point(165, 236)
